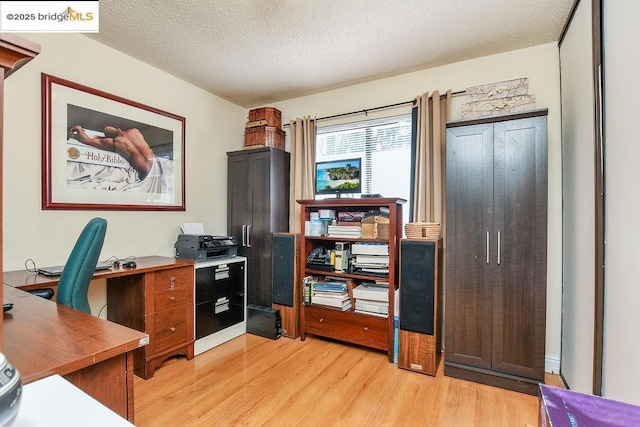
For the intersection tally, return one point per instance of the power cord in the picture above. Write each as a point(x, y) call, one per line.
point(100, 312)
point(30, 266)
point(115, 261)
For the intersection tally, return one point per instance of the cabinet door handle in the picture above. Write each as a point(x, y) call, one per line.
point(172, 329)
point(248, 236)
point(172, 299)
point(244, 235)
point(366, 328)
point(487, 251)
point(498, 248)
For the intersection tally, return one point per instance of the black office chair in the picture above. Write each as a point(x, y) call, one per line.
point(79, 268)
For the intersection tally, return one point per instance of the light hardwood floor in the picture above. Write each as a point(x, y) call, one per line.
point(256, 381)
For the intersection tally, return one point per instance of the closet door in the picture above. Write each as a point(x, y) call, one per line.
point(520, 221)
point(239, 205)
point(259, 235)
point(469, 278)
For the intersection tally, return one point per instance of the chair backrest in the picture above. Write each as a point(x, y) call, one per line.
point(79, 268)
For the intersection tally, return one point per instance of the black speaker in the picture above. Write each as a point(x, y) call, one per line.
point(417, 285)
point(283, 268)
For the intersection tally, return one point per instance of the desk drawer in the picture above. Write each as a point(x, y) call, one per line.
point(173, 287)
point(172, 328)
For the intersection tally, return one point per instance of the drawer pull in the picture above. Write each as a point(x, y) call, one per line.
point(172, 329)
point(172, 299)
point(172, 279)
point(321, 320)
point(366, 328)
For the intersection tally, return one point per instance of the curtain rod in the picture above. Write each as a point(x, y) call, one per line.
point(456, 93)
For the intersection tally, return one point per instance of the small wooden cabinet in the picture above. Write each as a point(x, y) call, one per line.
point(350, 326)
point(160, 303)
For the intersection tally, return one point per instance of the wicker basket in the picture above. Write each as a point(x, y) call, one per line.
point(422, 230)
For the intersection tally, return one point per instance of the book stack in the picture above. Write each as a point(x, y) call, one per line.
point(327, 293)
point(370, 258)
point(352, 231)
point(372, 298)
point(350, 218)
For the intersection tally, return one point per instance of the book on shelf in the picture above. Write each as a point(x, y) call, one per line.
point(374, 266)
point(372, 270)
point(370, 313)
point(342, 303)
point(370, 248)
point(344, 231)
point(328, 286)
point(306, 294)
point(371, 291)
point(371, 306)
point(371, 259)
point(350, 217)
point(335, 295)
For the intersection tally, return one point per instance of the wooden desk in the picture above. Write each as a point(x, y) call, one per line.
point(156, 297)
point(25, 280)
point(42, 338)
point(154, 302)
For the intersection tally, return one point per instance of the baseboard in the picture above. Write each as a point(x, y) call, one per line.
point(552, 364)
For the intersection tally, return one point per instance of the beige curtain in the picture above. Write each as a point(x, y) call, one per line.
point(303, 158)
point(428, 188)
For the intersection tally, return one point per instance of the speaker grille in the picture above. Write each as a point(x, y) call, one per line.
point(283, 270)
point(417, 277)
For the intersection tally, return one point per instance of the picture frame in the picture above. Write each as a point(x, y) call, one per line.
point(105, 152)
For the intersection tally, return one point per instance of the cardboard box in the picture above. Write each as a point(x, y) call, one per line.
point(375, 227)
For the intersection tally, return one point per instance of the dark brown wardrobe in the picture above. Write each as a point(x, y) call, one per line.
point(257, 207)
point(496, 249)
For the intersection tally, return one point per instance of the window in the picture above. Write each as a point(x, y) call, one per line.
point(384, 145)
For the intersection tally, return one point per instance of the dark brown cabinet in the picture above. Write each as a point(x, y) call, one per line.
point(258, 206)
point(496, 248)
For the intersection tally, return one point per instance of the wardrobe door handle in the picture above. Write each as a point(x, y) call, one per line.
point(248, 236)
point(487, 247)
point(244, 235)
point(498, 248)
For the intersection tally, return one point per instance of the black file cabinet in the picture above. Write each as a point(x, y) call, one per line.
point(220, 302)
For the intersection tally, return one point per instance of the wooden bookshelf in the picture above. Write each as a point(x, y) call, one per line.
point(350, 326)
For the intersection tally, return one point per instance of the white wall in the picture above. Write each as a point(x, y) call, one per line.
point(213, 127)
point(540, 64)
point(621, 369)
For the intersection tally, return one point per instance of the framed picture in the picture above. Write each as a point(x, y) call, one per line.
point(100, 151)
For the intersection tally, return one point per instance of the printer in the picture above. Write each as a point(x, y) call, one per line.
point(203, 247)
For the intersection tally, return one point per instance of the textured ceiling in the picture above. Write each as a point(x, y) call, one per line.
point(256, 52)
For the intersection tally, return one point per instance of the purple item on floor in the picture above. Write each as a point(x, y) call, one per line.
point(560, 407)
